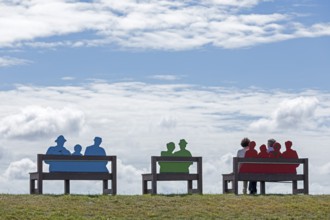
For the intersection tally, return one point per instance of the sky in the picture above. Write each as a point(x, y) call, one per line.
point(143, 73)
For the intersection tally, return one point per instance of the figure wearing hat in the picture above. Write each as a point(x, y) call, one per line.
point(183, 166)
point(59, 149)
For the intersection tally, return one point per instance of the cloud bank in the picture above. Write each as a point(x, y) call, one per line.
point(11, 61)
point(290, 114)
point(136, 120)
point(37, 121)
point(161, 25)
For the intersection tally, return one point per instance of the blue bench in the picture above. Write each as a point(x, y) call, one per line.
point(40, 175)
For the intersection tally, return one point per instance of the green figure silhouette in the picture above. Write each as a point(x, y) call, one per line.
point(167, 167)
point(182, 167)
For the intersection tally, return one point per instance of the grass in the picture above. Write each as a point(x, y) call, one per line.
point(164, 207)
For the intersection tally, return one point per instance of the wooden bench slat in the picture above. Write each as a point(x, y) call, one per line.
point(176, 176)
point(76, 176)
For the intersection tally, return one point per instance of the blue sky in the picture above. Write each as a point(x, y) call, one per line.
point(296, 63)
point(143, 73)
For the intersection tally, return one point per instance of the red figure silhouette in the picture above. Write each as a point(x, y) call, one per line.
point(250, 153)
point(263, 154)
point(276, 154)
point(289, 153)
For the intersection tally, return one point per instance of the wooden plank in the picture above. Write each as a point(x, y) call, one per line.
point(176, 176)
point(269, 177)
point(76, 176)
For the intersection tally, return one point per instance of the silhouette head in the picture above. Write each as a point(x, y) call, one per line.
point(183, 143)
point(97, 140)
point(77, 148)
point(288, 144)
point(170, 146)
point(245, 142)
point(252, 145)
point(277, 146)
point(60, 139)
point(263, 148)
point(271, 142)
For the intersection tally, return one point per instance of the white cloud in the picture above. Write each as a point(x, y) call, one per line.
point(20, 169)
point(166, 77)
point(168, 25)
point(35, 121)
point(10, 61)
point(136, 120)
point(290, 114)
point(68, 78)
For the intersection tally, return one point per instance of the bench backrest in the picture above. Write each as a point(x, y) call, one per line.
point(73, 158)
point(155, 159)
point(269, 165)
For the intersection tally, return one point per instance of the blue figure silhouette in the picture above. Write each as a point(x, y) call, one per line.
point(76, 166)
point(77, 150)
point(95, 150)
point(59, 149)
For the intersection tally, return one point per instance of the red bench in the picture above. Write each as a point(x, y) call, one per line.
point(266, 170)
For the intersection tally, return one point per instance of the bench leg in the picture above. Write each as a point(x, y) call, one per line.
point(190, 186)
point(144, 186)
point(262, 188)
point(235, 187)
point(294, 187)
point(105, 187)
point(114, 186)
point(200, 185)
point(39, 190)
point(66, 186)
point(225, 186)
point(32, 186)
point(154, 187)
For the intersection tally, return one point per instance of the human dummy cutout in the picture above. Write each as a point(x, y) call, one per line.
point(176, 167)
point(183, 152)
point(95, 150)
point(77, 150)
point(291, 154)
point(276, 153)
point(76, 166)
point(59, 149)
point(276, 168)
point(167, 167)
point(263, 154)
point(251, 153)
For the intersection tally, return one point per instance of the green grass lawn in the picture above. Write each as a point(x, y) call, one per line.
point(164, 207)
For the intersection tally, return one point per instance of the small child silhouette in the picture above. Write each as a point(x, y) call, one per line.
point(77, 150)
